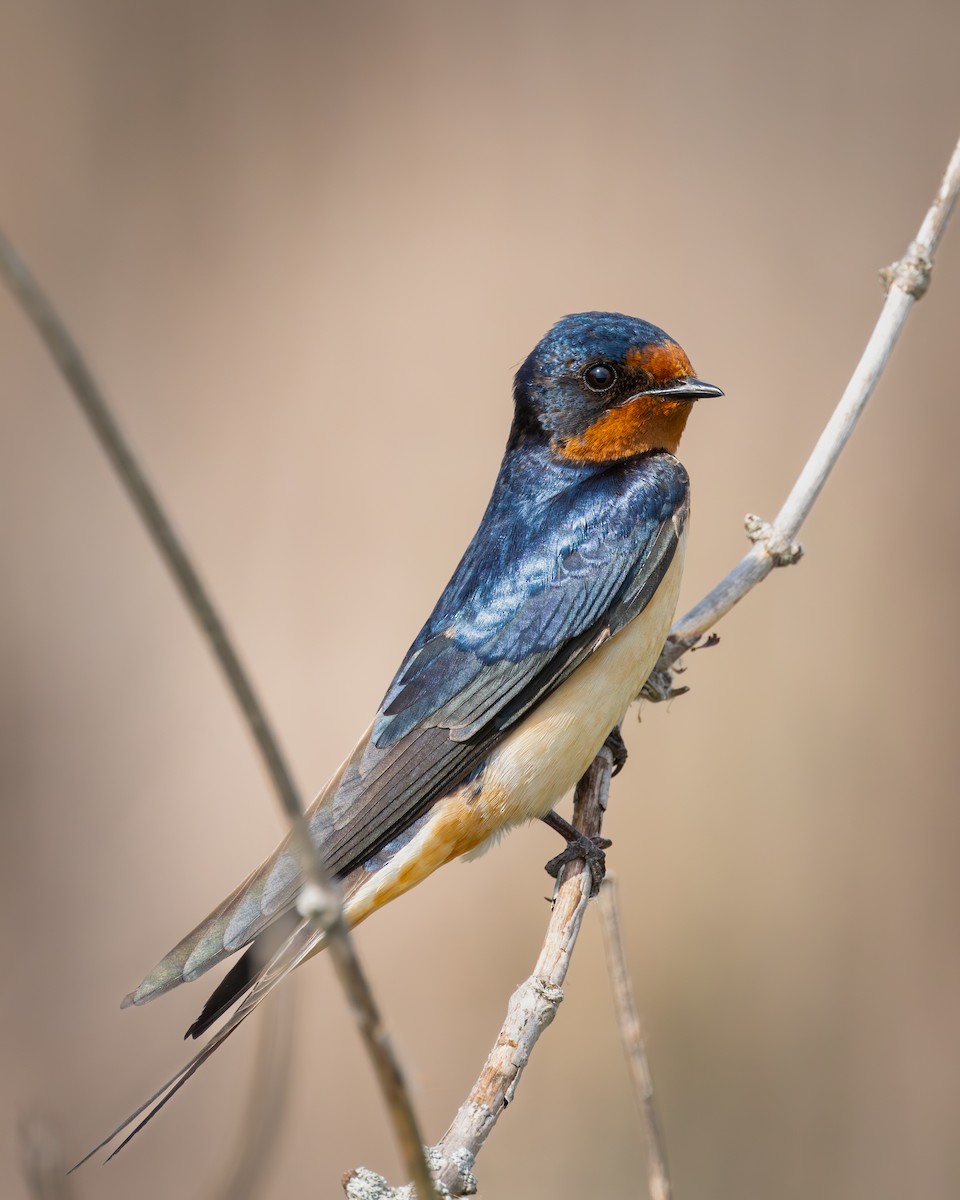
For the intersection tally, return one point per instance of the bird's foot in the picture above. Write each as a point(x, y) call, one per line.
point(579, 846)
point(618, 748)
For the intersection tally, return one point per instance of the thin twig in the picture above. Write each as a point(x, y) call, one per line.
point(631, 1035)
point(87, 393)
point(389, 1074)
point(320, 899)
point(906, 281)
point(534, 1004)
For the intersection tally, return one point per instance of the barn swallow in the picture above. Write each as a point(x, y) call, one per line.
point(547, 631)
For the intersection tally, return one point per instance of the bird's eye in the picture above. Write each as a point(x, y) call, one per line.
point(600, 377)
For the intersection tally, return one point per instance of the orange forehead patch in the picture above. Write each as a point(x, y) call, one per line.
point(662, 363)
point(645, 423)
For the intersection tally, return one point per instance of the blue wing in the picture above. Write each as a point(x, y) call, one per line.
point(562, 559)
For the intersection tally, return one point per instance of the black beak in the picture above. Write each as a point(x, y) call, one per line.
point(685, 388)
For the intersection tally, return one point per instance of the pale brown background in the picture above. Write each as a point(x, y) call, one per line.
point(305, 246)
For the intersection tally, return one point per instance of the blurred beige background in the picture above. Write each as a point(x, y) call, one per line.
point(305, 247)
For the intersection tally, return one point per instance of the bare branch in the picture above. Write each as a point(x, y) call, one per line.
point(906, 281)
point(320, 901)
point(534, 1004)
point(631, 1035)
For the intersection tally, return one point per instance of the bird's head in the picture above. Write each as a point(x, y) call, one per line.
point(602, 387)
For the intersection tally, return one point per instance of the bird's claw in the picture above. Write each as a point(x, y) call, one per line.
point(618, 748)
point(591, 851)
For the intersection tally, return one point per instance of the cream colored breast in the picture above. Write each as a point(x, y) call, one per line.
point(549, 751)
point(537, 763)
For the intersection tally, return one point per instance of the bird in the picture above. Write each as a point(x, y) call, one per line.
point(546, 632)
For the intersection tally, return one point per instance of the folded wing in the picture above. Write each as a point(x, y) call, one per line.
point(539, 588)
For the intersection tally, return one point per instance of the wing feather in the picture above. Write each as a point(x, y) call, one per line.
point(541, 585)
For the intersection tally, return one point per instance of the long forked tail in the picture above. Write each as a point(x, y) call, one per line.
point(301, 943)
point(419, 851)
point(244, 974)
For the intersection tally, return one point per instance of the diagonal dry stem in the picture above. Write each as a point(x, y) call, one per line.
point(906, 282)
point(322, 906)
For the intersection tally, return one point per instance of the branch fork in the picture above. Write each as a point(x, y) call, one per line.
point(781, 549)
point(911, 274)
